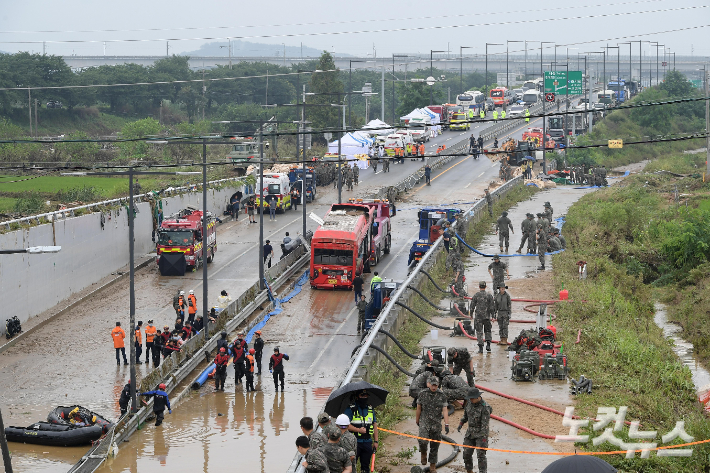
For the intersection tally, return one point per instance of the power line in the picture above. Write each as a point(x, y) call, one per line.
point(198, 28)
point(384, 30)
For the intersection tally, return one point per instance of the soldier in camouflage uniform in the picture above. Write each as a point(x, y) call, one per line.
point(482, 307)
point(336, 456)
point(498, 271)
point(315, 439)
point(431, 407)
point(349, 178)
point(502, 308)
point(460, 360)
point(553, 243)
point(326, 425)
point(548, 209)
point(489, 201)
point(356, 173)
point(314, 461)
point(563, 242)
point(541, 245)
point(527, 230)
point(478, 415)
point(453, 386)
point(502, 226)
point(347, 438)
point(419, 383)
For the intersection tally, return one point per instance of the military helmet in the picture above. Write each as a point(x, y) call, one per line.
point(496, 256)
point(482, 284)
point(504, 214)
point(473, 393)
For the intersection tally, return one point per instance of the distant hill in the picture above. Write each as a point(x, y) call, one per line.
point(246, 48)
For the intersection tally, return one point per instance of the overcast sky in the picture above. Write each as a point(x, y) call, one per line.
point(358, 28)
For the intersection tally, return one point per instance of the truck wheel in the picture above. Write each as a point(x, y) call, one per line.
point(388, 244)
point(377, 257)
point(210, 257)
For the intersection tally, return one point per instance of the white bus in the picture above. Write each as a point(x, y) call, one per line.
point(471, 100)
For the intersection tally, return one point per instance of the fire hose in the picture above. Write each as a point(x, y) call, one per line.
point(427, 299)
point(457, 294)
point(471, 337)
point(440, 463)
point(406, 352)
point(392, 360)
point(421, 317)
point(433, 282)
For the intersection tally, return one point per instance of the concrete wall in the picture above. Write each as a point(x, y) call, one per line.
point(31, 284)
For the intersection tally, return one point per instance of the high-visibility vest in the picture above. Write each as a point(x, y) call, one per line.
point(192, 308)
point(527, 115)
point(367, 421)
point(502, 114)
point(482, 114)
point(495, 114)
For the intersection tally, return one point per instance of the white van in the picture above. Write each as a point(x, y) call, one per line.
point(276, 186)
point(393, 141)
point(531, 97)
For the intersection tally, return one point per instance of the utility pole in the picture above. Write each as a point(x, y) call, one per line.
point(36, 125)
point(707, 126)
point(167, 49)
point(5, 451)
point(205, 242)
point(29, 106)
point(132, 293)
point(382, 87)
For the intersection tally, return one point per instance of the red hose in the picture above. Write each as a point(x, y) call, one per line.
point(535, 300)
point(579, 334)
point(525, 429)
point(431, 357)
point(469, 336)
point(522, 321)
point(459, 311)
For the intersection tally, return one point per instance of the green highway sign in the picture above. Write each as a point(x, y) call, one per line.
point(556, 82)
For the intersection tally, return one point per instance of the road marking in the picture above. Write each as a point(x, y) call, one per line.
point(480, 174)
point(466, 186)
point(442, 172)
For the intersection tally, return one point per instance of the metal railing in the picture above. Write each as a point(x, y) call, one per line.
point(70, 212)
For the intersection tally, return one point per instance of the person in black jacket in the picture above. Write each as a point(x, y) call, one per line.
point(258, 350)
point(223, 342)
point(276, 367)
point(160, 402)
point(158, 343)
point(125, 398)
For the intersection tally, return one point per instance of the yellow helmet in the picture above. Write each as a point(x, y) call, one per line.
point(74, 411)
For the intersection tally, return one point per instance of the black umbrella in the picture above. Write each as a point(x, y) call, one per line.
point(342, 398)
point(579, 464)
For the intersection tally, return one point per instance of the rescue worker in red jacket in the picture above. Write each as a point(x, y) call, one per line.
point(221, 361)
point(276, 367)
point(239, 348)
point(249, 367)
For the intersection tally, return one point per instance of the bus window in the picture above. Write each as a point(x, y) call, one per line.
point(332, 257)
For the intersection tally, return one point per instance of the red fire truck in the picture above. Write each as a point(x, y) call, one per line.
point(181, 245)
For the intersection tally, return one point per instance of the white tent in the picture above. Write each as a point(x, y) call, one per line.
point(435, 118)
point(355, 143)
point(377, 127)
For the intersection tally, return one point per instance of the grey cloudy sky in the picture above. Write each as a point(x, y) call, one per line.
point(359, 28)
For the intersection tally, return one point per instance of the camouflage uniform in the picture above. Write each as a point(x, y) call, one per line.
point(503, 225)
point(419, 384)
point(349, 178)
point(482, 307)
point(361, 308)
point(462, 362)
point(541, 245)
point(502, 308)
point(317, 463)
point(525, 230)
point(563, 242)
point(356, 174)
point(554, 243)
point(329, 428)
point(430, 421)
point(454, 387)
point(317, 439)
point(478, 416)
point(336, 456)
point(489, 200)
point(498, 269)
point(349, 443)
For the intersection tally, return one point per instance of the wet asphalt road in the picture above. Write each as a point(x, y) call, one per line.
point(71, 360)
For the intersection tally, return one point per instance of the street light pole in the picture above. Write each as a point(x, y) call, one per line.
point(542, 73)
point(431, 73)
point(393, 84)
point(507, 74)
point(350, 90)
point(485, 82)
point(131, 290)
point(461, 48)
point(261, 208)
point(205, 243)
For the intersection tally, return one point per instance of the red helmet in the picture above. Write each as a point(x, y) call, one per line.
point(222, 350)
point(252, 351)
point(161, 386)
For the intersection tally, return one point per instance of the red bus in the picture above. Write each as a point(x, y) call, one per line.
point(340, 247)
point(501, 96)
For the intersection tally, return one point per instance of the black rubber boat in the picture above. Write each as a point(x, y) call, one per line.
point(59, 435)
point(60, 431)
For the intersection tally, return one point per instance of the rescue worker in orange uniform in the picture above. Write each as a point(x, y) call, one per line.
point(139, 343)
point(422, 151)
point(150, 332)
point(249, 364)
point(181, 303)
point(118, 335)
point(221, 361)
point(191, 306)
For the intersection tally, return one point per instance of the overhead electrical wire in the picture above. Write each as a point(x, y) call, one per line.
point(383, 30)
point(198, 28)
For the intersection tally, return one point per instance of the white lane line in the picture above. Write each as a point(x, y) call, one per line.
point(493, 165)
point(466, 186)
point(480, 175)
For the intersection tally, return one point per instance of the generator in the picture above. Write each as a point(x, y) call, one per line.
point(525, 365)
point(379, 297)
point(554, 366)
point(467, 325)
point(437, 353)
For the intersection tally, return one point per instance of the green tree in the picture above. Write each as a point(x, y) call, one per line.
point(76, 150)
point(139, 130)
point(676, 85)
point(327, 87)
point(411, 96)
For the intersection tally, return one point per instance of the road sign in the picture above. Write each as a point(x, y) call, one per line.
point(556, 81)
point(616, 143)
point(327, 135)
point(550, 97)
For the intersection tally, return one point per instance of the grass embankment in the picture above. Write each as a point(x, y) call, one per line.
point(413, 330)
point(635, 239)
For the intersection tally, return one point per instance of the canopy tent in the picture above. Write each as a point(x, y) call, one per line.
point(377, 127)
point(422, 112)
point(435, 118)
point(355, 143)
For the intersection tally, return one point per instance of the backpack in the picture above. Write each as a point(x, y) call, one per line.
point(12, 327)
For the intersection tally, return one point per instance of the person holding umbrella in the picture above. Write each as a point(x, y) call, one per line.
point(363, 424)
point(478, 415)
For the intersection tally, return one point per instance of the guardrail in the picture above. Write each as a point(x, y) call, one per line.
point(390, 316)
point(70, 212)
